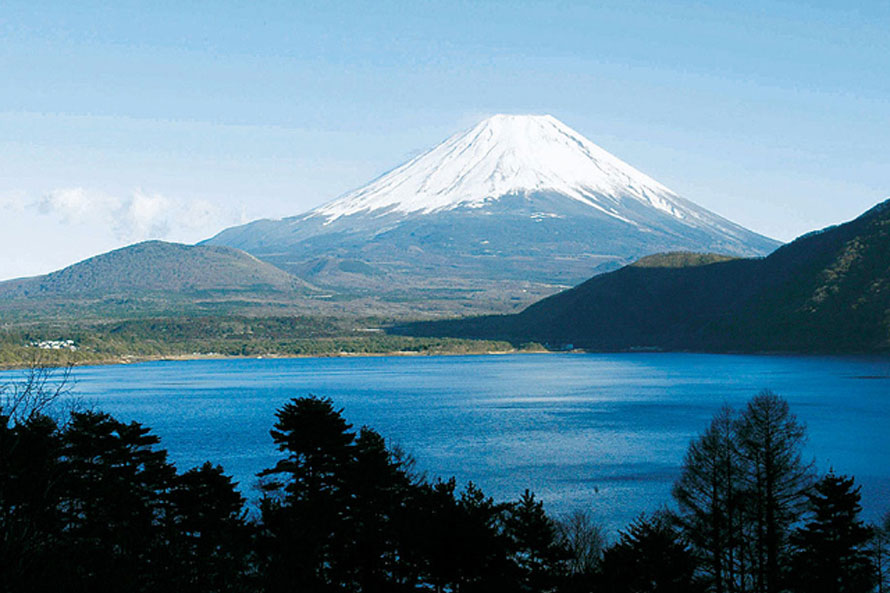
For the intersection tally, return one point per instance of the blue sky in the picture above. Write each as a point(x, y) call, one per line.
point(125, 121)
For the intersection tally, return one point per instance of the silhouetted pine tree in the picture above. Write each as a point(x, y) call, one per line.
point(770, 441)
point(373, 548)
point(115, 503)
point(711, 496)
point(431, 536)
point(303, 509)
point(536, 550)
point(482, 546)
point(650, 556)
point(31, 481)
point(831, 550)
point(343, 514)
point(208, 533)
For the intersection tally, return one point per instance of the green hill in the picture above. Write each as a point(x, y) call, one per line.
point(155, 267)
point(826, 291)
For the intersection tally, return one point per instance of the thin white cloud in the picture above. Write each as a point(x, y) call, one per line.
point(14, 203)
point(75, 205)
point(66, 225)
point(146, 216)
point(137, 216)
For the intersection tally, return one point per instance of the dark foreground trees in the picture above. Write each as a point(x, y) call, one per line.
point(743, 487)
point(342, 512)
point(757, 520)
point(770, 441)
point(95, 502)
point(88, 503)
point(584, 540)
point(651, 555)
point(712, 500)
point(92, 503)
point(831, 553)
point(879, 551)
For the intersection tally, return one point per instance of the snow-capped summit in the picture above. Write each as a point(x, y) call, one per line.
point(518, 202)
point(505, 155)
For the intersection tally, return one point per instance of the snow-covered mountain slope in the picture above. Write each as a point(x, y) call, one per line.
point(507, 154)
point(518, 197)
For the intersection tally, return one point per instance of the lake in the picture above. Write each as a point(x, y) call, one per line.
point(605, 432)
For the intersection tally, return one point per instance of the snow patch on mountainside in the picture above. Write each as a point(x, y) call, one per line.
point(506, 155)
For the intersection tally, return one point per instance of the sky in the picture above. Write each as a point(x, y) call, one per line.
point(122, 121)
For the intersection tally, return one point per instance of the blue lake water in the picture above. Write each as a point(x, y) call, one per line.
point(605, 432)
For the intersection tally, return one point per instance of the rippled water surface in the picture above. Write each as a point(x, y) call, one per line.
point(603, 431)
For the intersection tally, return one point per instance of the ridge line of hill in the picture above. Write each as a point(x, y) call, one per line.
point(827, 291)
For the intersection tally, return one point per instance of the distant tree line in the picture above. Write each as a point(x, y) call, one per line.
point(221, 335)
point(88, 503)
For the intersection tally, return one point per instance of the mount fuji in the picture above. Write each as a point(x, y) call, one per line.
point(519, 205)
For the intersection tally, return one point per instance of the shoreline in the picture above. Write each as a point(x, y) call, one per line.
point(138, 359)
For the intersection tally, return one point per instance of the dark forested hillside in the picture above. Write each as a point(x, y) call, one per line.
point(826, 291)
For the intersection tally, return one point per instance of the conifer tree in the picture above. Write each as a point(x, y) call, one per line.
point(116, 488)
point(710, 494)
point(482, 546)
point(372, 545)
point(770, 441)
point(31, 481)
point(831, 550)
point(537, 553)
point(650, 556)
point(303, 509)
point(209, 535)
point(433, 535)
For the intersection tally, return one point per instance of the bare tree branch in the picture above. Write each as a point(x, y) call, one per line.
point(40, 387)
